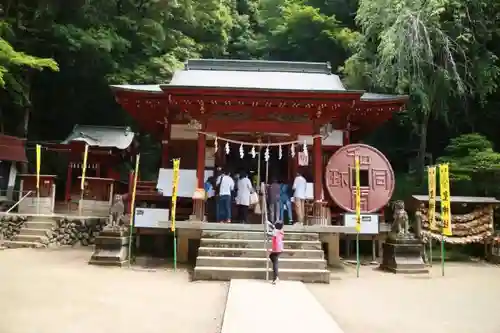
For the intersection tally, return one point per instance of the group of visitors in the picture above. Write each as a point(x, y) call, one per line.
point(223, 189)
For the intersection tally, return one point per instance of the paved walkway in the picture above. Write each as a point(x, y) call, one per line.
point(260, 307)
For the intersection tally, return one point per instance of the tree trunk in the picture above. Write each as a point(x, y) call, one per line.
point(26, 120)
point(422, 149)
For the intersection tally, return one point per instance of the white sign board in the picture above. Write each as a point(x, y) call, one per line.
point(152, 218)
point(369, 222)
point(303, 158)
point(187, 182)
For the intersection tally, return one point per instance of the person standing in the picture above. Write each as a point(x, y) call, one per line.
point(299, 196)
point(278, 238)
point(285, 203)
point(244, 191)
point(210, 196)
point(226, 186)
point(274, 201)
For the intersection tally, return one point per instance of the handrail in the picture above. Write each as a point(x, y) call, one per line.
point(265, 224)
point(17, 203)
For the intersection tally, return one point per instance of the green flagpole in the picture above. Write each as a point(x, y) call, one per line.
point(357, 254)
point(175, 251)
point(442, 255)
point(430, 248)
point(132, 209)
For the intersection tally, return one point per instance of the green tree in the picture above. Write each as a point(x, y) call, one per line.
point(414, 47)
point(474, 165)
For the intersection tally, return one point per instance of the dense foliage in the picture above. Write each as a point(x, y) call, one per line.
point(58, 57)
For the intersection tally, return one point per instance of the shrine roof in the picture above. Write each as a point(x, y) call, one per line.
point(102, 136)
point(260, 75)
point(460, 199)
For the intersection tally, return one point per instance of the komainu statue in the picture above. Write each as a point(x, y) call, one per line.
point(116, 212)
point(400, 225)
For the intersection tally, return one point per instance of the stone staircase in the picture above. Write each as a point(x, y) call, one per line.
point(32, 234)
point(226, 255)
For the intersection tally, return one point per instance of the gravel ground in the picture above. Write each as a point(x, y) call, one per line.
point(43, 291)
point(466, 300)
point(56, 291)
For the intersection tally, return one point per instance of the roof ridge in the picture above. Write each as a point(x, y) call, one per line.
point(258, 66)
point(102, 126)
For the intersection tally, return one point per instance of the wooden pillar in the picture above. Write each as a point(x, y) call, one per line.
point(67, 194)
point(167, 129)
point(318, 181)
point(199, 203)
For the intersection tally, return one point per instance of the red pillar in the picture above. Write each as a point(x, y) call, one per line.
point(67, 194)
point(199, 203)
point(200, 165)
point(167, 129)
point(317, 168)
point(318, 211)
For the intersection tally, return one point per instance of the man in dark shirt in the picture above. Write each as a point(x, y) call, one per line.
point(274, 201)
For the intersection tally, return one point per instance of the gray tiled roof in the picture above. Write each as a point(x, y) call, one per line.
point(256, 75)
point(459, 199)
point(258, 66)
point(102, 136)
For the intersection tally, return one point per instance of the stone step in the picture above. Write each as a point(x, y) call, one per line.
point(228, 273)
point(19, 244)
point(258, 243)
point(297, 236)
point(29, 238)
point(297, 263)
point(256, 252)
point(39, 224)
point(30, 231)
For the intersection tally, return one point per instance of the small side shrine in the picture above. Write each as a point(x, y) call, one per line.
point(33, 203)
point(11, 153)
point(108, 147)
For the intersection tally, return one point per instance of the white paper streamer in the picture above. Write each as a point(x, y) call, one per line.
point(227, 148)
point(216, 145)
point(242, 152)
point(292, 150)
point(252, 152)
point(280, 152)
point(304, 148)
point(266, 154)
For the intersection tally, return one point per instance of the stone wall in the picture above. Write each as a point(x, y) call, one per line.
point(10, 226)
point(74, 232)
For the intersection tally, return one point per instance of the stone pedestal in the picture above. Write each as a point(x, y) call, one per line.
point(403, 255)
point(111, 248)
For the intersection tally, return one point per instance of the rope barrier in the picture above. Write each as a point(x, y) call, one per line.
point(256, 144)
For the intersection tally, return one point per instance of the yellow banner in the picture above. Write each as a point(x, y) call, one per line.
point(134, 189)
point(84, 166)
point(358, 197)
point(177, 163)
point(444, 187)
point(431, 213)
point(38, 164)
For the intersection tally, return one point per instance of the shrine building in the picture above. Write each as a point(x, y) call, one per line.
point(300, 110)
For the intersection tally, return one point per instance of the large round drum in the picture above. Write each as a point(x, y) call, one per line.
point(376, 178)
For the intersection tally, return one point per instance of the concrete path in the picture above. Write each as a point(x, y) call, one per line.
point(260, 307)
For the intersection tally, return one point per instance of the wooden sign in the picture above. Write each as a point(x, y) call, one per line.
point(303, 158)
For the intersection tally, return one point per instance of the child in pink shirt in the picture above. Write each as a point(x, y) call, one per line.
point(277, 247)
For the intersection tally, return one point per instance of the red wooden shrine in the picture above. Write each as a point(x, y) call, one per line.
point(225, 97)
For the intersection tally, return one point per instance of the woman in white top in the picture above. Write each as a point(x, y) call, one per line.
point(245, 190)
